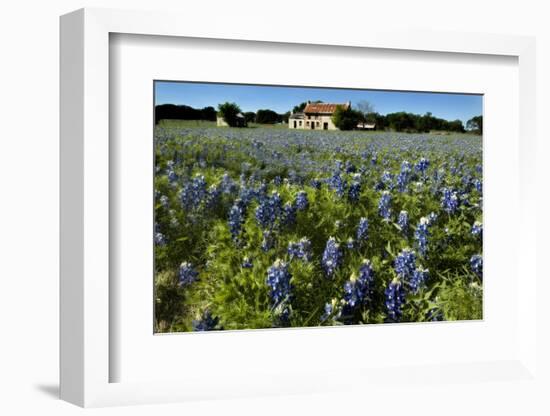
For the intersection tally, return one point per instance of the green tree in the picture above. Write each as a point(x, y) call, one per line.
point(267, 117)
point(250, 116)
point(228, 111)
point(346, 118)
point(475, 124)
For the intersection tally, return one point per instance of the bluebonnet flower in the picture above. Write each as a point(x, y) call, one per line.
point(269, 210)
point(354, 189)
point(316, 183)
point(418, 279)
point(236, 219)
point(386, 180)
point(246, 263)
point(278, 280)
point(422, 165)
point(289, 214)
point(432, 218)
point(403, 221)
point(350, 167)
point(332, 257)
point(350, 243)
point(187, 274)
point(206, 323)
point(477, 229)
point(160, 240)
point(302, 201)
point(476, 262)
point(395, 297)
point(212, 197)
point(384, 205)
point(227, 185)
point(405, 263)
point(363, 229)
point(277, 180)
point(449, 201)
point(300, 249)
point(404, 176)
point(478, 185)
point(194, 192)
point(358, 290)
point(421, 235)
point(172, 177)
point(337, 184)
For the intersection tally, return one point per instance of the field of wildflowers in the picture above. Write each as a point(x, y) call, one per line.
point(268, 228)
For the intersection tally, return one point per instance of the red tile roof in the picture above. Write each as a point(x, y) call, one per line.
point(323, 108)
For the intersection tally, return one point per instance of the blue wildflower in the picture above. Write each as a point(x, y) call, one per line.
point(236, 219)
point(289, 214)
point(227, 185)
point(358, 290)
point(384, 205)
point(332, 257)
point(160, 240)
point(478, 184)
point(477, 229)
point(421, 235)
point(418, 279)
point(206, 323)
point(278, 280)
point(422, 165)
point(476, 262)
point(300, 249)
point(354, 189)
point(337, 184)
point(267, 241)
point(187, 274)
point(395, 297)
point(449, 201)
point(405, 263)
point(403, 221)
point(363, 229)
point(302, 201)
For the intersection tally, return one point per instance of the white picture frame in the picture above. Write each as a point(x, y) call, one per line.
point(85, 353)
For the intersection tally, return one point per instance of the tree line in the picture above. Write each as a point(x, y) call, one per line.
point(343, 118)
point(183, 112)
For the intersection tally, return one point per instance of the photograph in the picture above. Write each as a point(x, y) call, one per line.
point(301, 206)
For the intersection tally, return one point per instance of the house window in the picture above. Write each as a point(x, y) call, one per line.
point(318, 124)
point(300, 123)
point(307, 122)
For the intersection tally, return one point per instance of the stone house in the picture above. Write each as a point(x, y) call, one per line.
point(316, 116)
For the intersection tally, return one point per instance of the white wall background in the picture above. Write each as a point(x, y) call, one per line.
point(29, 184)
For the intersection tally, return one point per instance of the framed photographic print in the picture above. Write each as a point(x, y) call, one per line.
point(250, 229)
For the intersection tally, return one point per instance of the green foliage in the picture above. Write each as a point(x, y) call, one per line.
point(229, 111)
point(475, 124)
point(345, 118)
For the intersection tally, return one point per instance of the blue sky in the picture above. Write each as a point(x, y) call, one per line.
point(283, 99)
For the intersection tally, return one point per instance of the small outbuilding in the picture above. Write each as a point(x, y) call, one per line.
point(240, 121)
point(366, 126)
